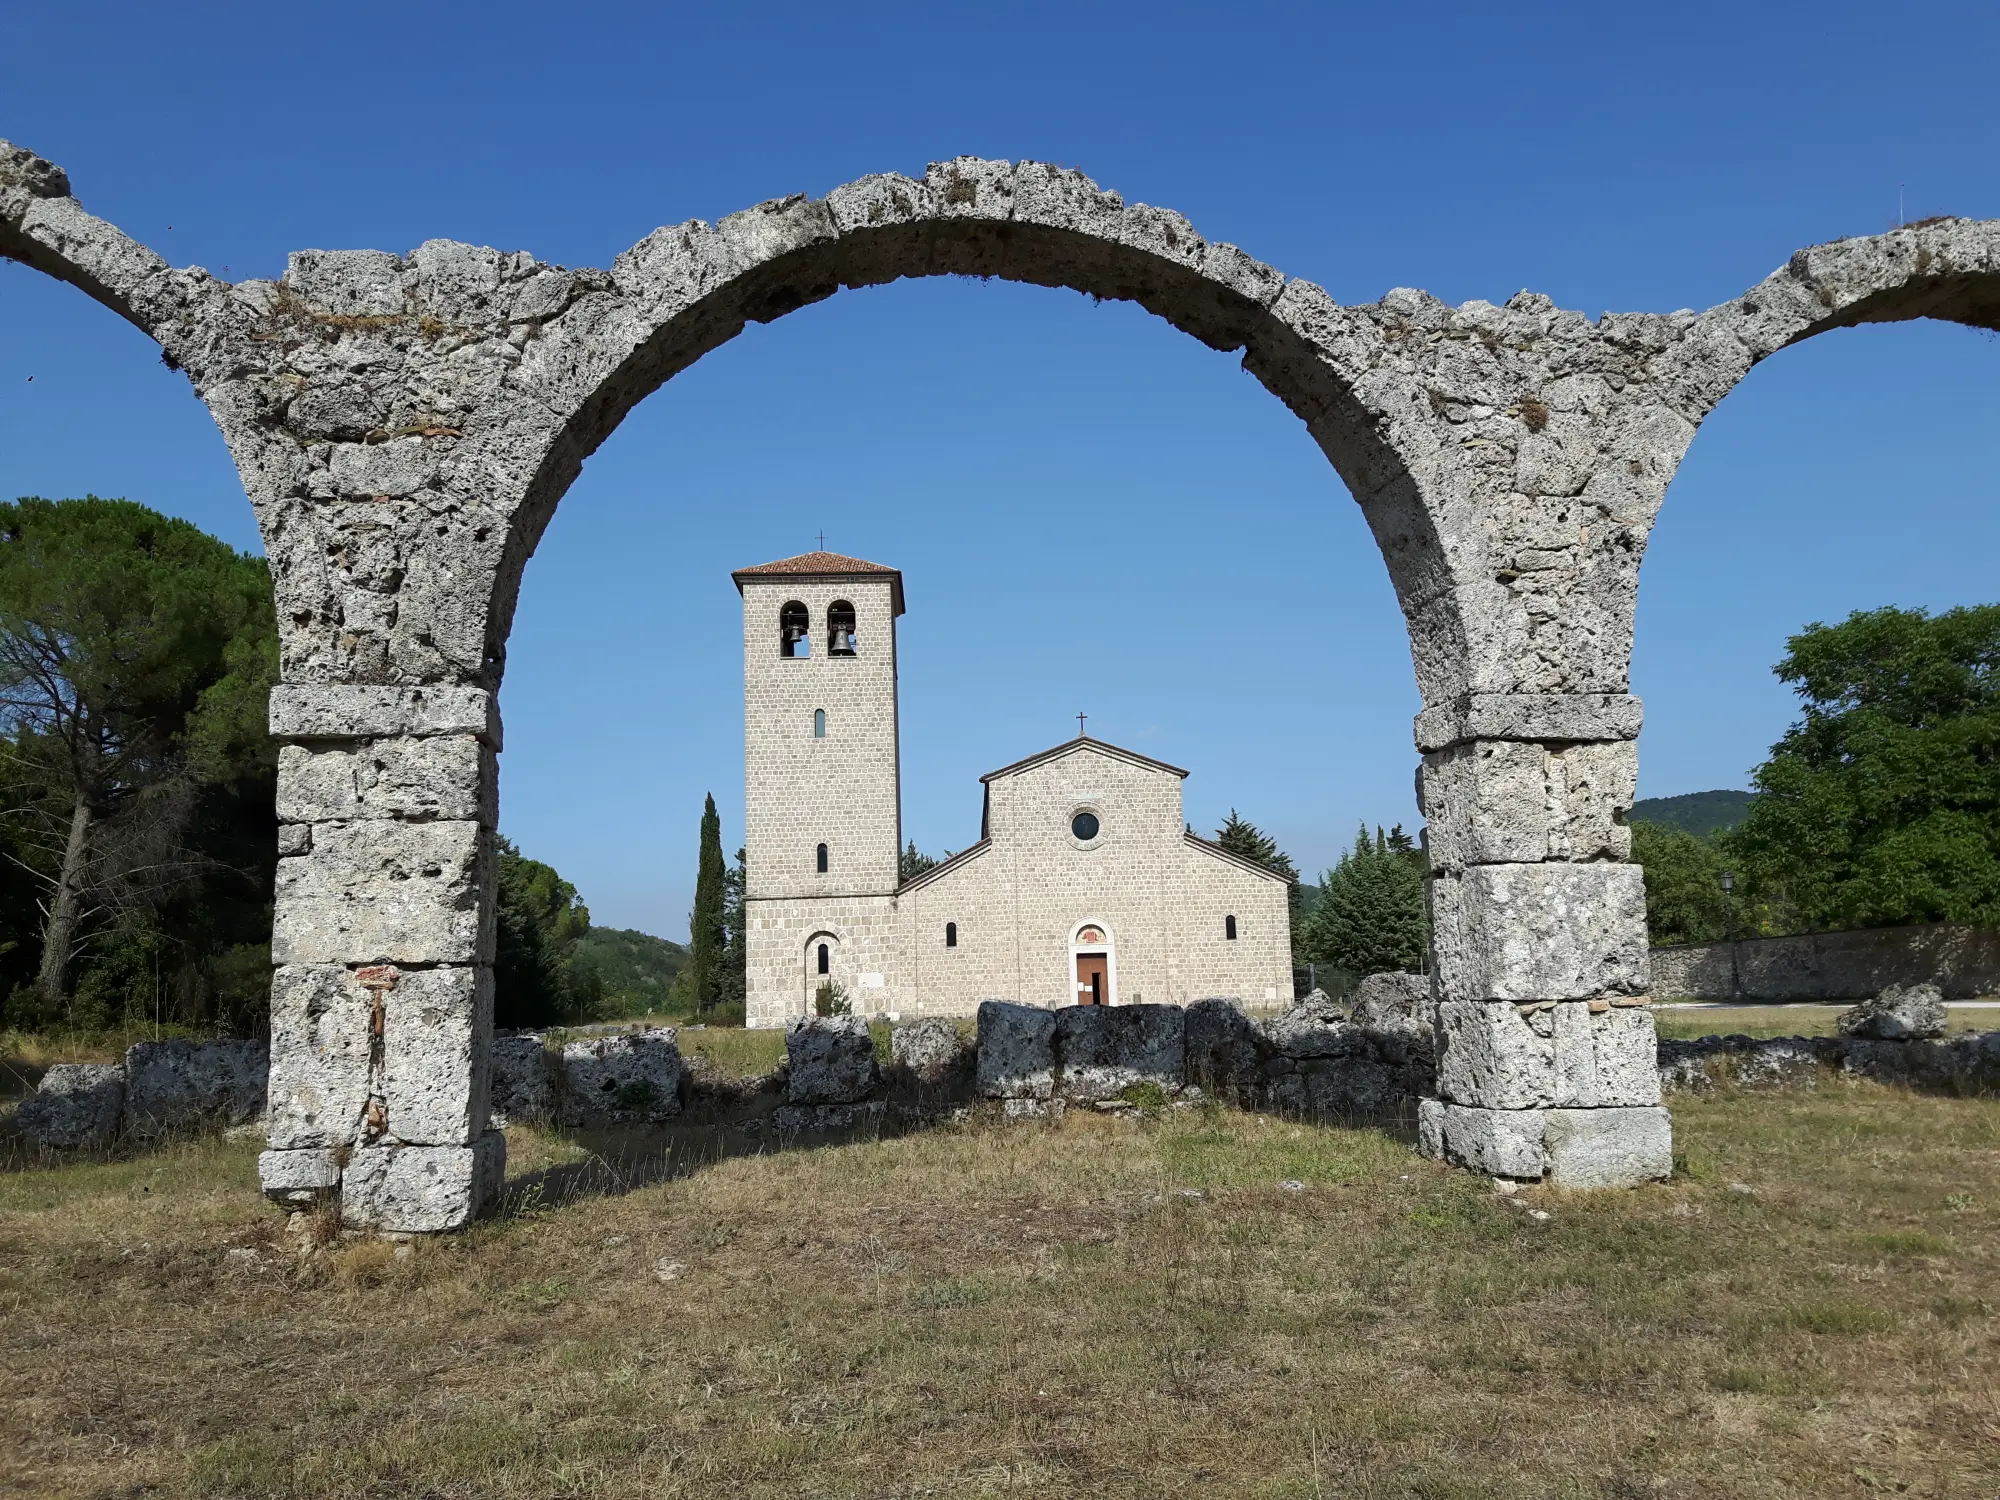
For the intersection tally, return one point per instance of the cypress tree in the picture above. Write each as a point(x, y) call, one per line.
point(707, 940)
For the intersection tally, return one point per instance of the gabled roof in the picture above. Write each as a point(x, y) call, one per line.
point(824, 567)
point(1209, 846)
point(1083, 742)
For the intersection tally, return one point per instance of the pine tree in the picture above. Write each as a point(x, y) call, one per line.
point(707, 936)
point(1371, 916)
point(914, 862)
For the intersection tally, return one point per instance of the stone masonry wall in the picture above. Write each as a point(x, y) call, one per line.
point(1963, 962)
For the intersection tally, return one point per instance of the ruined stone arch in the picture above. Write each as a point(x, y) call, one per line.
point(405, 425)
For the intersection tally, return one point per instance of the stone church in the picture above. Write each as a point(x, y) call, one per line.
point(1085, 886)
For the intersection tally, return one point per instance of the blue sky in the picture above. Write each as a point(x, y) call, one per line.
point(1092, 511)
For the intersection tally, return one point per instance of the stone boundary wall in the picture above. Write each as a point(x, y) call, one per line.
point(1963, 962)
point(1967, 1063)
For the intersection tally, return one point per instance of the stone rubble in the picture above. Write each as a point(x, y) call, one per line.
point(1900, 1013)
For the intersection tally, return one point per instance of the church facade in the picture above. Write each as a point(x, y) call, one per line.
point(1085, 886)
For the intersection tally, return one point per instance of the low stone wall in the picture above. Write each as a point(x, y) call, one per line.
point(160, 1089)
point(1963, 962)
point(623, 1078)
point(1968, 1063)
point(1313, 1059)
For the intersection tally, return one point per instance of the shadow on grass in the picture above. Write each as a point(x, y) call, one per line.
point(621, 1161)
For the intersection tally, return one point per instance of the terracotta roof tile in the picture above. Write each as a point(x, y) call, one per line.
point(824, 565)
point(814, 562)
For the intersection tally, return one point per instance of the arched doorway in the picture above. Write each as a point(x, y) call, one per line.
point(1093, 965)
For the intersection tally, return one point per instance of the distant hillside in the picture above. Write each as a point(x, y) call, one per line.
point(1695, 812)
point(637, 968)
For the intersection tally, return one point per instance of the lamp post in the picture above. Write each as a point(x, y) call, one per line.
point(1729, 921)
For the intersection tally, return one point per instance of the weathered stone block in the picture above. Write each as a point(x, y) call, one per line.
point(931, 1053)
point(1017, 1051)
point(422, 1189)
point(1540, 932)
point(437, 1025)
point(1221, 1045)
point(1604, 1148)
point(318, 1087)
point(183, 1085)
point(1513, 802)
point(831, 1058)
point(523, 1089)
point(79, 1106)
point(1102, 1050)
point(300, 1178)
point(1497, 1142)
point(1493, 1057)
point(1899, 1013)
point(1548, 718)
point(377, 891)
point(632, 1077)
point(1313, 1026)
point(452, 777)
point(1392, 999)
point(348, 283)
point(360, 711)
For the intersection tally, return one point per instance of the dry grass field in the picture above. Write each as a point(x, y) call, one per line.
point(1201, 1304)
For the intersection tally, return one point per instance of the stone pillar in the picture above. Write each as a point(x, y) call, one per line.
point(1546, 1050)
point(382, 1001)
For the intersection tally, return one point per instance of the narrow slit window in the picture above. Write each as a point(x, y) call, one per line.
point(819, 723)
point(819, 860)
point(823, 960)
point(951, 934)
point(1229, 928)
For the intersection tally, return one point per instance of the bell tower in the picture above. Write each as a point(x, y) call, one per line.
point(822, 783)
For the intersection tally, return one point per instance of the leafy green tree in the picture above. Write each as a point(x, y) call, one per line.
point(136, 652)
point(1370, 917)
point(1684, 901)
point(707, 936)
point(1246, 840)
point(538, 979)
point(1881, 805)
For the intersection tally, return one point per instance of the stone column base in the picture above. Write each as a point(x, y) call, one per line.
point(422, 1189)
point(1580, 1148)
point(398, 1189)
point(299, 1178)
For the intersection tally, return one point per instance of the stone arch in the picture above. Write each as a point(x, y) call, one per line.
point(405, 425)
point(686, 290)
